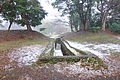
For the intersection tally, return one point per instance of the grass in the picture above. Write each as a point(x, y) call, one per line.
point(95, 38)
point(14, 44)
point(115, 54)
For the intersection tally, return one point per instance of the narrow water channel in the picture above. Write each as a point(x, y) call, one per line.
point(29, 54)
point(57, 50)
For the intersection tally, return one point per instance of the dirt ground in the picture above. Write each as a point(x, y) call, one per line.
point(10, 69)
point(51, 72)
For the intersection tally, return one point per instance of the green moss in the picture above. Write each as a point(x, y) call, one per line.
point(56, 60)
point(80, 51)
point(101, 63)
point(77, 50)
point(95, 63)
point(49, 50)
point(50, 53)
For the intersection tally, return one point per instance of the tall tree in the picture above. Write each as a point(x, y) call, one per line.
point(24, 12)
point(9, 12)
point(106, 7)
point(32, 13)
point(2, 2)
point(79, 9)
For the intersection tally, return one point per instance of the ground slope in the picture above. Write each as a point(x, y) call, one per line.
point(101, 37)
point(15, 35)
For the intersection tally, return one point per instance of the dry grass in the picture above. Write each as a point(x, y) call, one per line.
point(92, 37)
point(14, 44)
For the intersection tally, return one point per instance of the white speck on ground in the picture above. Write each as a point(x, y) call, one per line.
point(74, 69)
point(98, 49)
point(118, 37)
point(26, 55)
point(107, 47)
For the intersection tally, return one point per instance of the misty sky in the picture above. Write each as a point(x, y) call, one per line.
point(52, 12)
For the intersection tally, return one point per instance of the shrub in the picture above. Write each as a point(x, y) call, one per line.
point(95, 29)
point(42, 29)
point(115, 27)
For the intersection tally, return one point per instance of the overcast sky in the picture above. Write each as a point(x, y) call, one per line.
point(52, 12)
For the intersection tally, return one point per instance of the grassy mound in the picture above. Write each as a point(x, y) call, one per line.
point(100, 37)
point(15, 35)
point(17, 38)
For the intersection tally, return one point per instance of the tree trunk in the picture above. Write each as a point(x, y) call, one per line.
point(81, 25)
point(90, 14)
point(76, 28)
point(1, 8)
point(29, 28)
point(10, 26)
point(71, 26)
point(104, 19)
point(86, 26)
point(103, 26)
